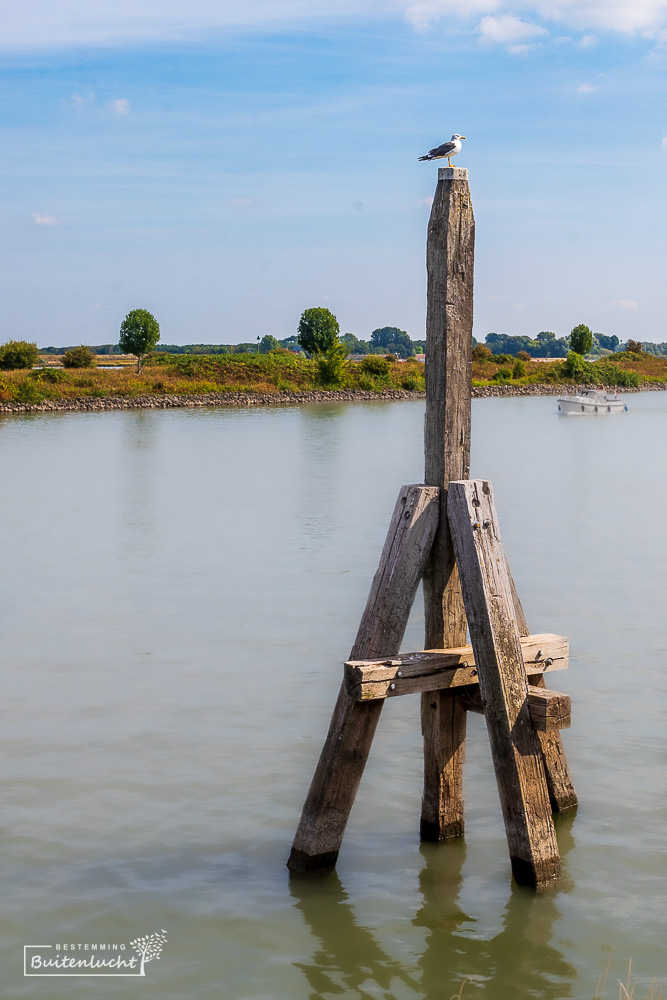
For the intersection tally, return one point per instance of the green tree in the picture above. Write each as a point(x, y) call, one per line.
point(354, 345)
point(608, 343)
point(268, 343)
point(18, 354)
point(581, 339)
point(79, 357)
point(390, 338)
point(139, 334)
point(318, 331)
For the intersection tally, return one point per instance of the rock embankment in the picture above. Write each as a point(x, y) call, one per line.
point(92, 404)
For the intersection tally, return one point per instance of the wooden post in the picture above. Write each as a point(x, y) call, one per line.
point(562, 794)
point(353, 724)
point(450, 267)
point(503, 683)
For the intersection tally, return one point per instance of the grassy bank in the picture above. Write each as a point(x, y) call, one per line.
point(281, 372)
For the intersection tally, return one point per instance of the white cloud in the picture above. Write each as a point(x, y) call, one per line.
point(427, 202)
point(509, 30)
point(80, 100)
point(615, 15)
point(43, 24)
point(586, 88)
point(588, 41)
point(628, 304)
point(423, 15)
point(42, 219)
point(664, 143)
point(122, 106)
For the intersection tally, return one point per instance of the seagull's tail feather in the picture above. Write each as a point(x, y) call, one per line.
point(427, 157)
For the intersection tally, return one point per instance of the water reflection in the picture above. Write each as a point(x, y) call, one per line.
point(520, 961)
point(348, 959)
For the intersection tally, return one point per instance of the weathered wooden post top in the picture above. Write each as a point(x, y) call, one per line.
point(446, 532)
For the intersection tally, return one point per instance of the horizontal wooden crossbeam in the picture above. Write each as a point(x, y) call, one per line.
point(549, 710)
point(436, 669)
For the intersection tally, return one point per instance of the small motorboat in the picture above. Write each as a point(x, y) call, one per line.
point(591, 401)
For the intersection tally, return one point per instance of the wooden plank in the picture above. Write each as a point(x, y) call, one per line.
point(549, 710)
point(542, 720)
point(562, 794)
point(503, 683)
point(345, 752)
point(441, 669)
point(450, 254)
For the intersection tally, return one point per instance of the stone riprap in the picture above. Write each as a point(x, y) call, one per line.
point(88, 404)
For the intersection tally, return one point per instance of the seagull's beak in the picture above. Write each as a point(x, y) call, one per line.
point(463, 136)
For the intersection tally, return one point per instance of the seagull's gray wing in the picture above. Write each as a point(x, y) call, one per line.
point(443, 150)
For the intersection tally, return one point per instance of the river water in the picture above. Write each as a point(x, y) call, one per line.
point(178, 592)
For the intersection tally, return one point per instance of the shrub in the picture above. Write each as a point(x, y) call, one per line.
point(331, 366)
point(374, 364)
point(523, 355)
point(635, 347)
point(18, 354)
point(613, 375)
point(519, 369)
point(481, 352)
point(79, 357)
point(503, 375)
point(503, 359)
point(29, 391)
point(575, 365)
point(52, 375)
point(413, 383)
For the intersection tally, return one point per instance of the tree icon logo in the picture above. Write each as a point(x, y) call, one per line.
point(149, 947)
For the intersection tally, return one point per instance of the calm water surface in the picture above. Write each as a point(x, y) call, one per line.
point(178, 592)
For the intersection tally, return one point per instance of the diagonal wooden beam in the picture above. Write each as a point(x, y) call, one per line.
point(353, 724)
point(503, 682)
point(562, 794)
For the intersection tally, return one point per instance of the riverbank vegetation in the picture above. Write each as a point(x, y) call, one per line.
point(282, 372)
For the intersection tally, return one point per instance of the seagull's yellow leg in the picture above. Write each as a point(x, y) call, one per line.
point(449, 161)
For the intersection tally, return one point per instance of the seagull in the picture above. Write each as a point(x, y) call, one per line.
point(447, 150)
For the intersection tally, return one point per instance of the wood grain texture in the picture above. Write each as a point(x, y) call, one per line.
point(353, 724)
point(562, 794)
point(439, 669)
point(543, 718)
point(450, 274)
point(503, 683)
point(549, 710)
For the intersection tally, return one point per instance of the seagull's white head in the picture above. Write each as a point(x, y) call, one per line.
point(457, 136)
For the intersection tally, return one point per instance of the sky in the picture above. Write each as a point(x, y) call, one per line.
point(228, 165)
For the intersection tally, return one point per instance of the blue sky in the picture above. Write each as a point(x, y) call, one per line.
point(228, 167)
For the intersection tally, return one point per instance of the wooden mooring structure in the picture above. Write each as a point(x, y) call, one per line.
point(446, 532)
